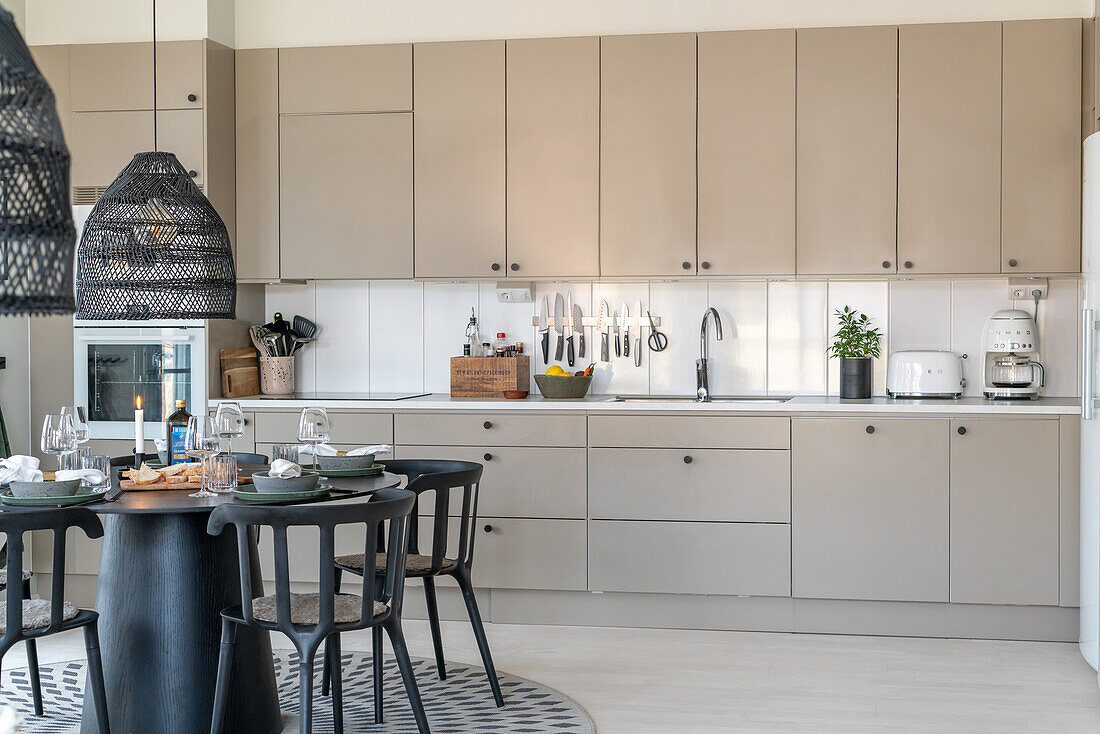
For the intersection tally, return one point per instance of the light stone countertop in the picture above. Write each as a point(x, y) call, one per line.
point(607, 404)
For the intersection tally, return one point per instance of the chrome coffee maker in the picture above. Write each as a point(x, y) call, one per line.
point(1011, 346)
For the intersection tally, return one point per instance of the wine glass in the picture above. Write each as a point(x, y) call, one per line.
point(314, 429)
point(58, 435)
point(230, 422)
point(202, 442)
point(80, 423)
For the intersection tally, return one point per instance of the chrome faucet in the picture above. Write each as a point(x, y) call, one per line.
point(702, 384)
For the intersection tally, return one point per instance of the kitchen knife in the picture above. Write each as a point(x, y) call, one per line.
point(578, 329)
point(618, 326)
point(603, 327)
point(544, 328)
point(559, 325)
point(626, 330)
point(638, 335)
point(569, 328)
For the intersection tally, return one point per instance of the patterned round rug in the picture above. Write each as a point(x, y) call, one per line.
point(461, 704)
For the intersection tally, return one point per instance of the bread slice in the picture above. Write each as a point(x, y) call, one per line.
point(173, 470)
point(177, 480)
point(145, 475)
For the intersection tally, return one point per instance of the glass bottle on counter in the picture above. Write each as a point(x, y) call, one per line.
point(486, 350)
point(500, 346)
point(473, 338)
point(176, 434)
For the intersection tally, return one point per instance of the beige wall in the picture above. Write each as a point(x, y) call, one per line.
point(113, 21)
point(15, 380)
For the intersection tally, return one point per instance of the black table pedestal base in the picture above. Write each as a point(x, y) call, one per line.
point(162, 584)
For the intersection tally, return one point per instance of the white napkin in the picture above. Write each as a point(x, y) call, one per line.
point(19, 468)
point(284, 469)
point(325, 449)
point(93, 477)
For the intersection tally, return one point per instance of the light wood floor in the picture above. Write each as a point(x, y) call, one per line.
point(648, 681)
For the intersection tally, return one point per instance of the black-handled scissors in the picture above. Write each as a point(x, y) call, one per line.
point(658, 342)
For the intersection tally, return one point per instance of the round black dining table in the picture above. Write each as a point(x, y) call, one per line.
point(163, 582)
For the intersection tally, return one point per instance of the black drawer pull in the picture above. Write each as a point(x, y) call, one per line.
point(688, 460)
point(487, 425)
point(488, 457)
point(908, 264)
point(488, 528)
point(193, 174)
point(515, 267)
point(705, 265)
point(495, 266)
point(191, 98)
point(685, 265)
point(870, 429)
point(885, 263)
point(962, 430)
point(1012, 263)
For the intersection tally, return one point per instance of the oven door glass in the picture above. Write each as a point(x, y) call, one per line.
point(118, 373)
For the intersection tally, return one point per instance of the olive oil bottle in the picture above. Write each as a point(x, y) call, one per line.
point(176, 432)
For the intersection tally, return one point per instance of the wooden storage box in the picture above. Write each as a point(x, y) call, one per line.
point(489, 377)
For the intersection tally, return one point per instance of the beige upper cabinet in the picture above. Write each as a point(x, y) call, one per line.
point(180, 75)
point(1041, 148)
point(1004, 512)
point(747, 153)
point(112, 76)
point(553, 108)
point(647, 155)
point(345, 79)
point(54, 63)
point(102, 144)
point(346, 190)
point(181, 132)
point(257, 154)
point(847, 150)
point(459, 93)
point(949, 150)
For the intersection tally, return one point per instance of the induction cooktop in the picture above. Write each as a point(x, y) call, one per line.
point(346, 396)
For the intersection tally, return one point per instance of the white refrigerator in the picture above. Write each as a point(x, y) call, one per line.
point(1090, 417)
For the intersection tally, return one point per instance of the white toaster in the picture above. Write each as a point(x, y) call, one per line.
point(924, 374)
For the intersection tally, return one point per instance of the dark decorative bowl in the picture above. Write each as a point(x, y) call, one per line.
point(554, 387)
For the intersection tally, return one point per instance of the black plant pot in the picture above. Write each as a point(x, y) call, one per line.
point(856, 377)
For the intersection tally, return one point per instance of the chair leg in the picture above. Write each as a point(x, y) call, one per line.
point(305, 693)
point(326, 671)
point(36, 681)
point(338, 577)
point(95, 677)
point(397, 639)
point(376, 652)
point(332, 647)
point(225, 668)
point(479, 635)
point(433, 622)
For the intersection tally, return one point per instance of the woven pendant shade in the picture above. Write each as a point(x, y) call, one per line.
point(154, 248)
point(36, 221)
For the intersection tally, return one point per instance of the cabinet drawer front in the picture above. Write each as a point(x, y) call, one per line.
point(716, 486)
point(690, 558)
point(305, 459)
point(355, 429)
point(517, 482)
point(504, 429)
point(698, 432)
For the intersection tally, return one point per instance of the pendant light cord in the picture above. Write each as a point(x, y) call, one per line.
point(155, 148)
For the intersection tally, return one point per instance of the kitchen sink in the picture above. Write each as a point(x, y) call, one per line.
point(691, 399)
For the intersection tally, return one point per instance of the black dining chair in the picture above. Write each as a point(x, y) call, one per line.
point(28, 619)
point(310, 619)
point(436, 478)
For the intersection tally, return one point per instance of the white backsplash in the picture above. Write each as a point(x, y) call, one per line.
point(400, 335)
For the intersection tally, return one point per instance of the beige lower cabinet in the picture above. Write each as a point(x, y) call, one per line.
point(488, 429)
point(690, 557)
point(699, 432)
point(1004, 511)
point(512, 553)
point(700, 485)
point(869, 508)
point(355, 429)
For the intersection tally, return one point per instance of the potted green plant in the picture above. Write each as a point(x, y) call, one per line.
point(855, 344)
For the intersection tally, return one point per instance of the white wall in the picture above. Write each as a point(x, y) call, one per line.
point(399, 335)
point(116, 21)
point(262, 23)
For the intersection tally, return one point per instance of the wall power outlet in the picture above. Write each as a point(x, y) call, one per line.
point(515, 292)
point(1021, 289)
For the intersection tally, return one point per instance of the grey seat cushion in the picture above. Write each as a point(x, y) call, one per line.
point(36, 613)
point(304, 608)
point(4, 576)
point(415, 562)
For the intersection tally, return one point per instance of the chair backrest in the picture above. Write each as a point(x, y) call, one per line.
point(386, 507)
point(441, 476)
point(13, 524)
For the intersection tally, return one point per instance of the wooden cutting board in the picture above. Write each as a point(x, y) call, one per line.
point(130, 486)
point(240, 372)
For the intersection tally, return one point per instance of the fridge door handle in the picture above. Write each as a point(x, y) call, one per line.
point(1088, 332)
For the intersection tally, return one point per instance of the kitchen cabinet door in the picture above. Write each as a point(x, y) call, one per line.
point(647, 155)
point(1004, 511)
point(257, 148)
point(847, 150)
point(180, 75)
point(949, 148)
point(458, 94)
point(181, 132)
point(108, 77)
point(746, 152)
point(54, 62)
point(554, 157)
point(1040, 147)
point(346, 196)
point(101, 145)
point(869, 508)
point(374, 78)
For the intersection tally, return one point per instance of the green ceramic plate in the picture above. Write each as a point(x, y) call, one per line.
point(370, 471)
point(248, 493)
point(84, 494)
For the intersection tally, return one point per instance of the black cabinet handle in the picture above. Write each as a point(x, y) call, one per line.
point(688, 459)
point(488, 528)
point(685, 265)
point(191, 98)
point(488, 457)
point(515, 267)
point(962, 430)
point(885, 263)
point(495, 266)
point(487, 425)
point(870, 429)
point(193, 174)
point(1012, 263)
point(908, 264)
point(705, 265)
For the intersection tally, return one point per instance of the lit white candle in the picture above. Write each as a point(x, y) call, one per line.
point(139, 427)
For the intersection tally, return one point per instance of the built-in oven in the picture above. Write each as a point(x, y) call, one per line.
point(117, 362)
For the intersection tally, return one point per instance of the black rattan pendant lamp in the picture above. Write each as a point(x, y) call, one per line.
point(36, 221)
point(153, 247)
